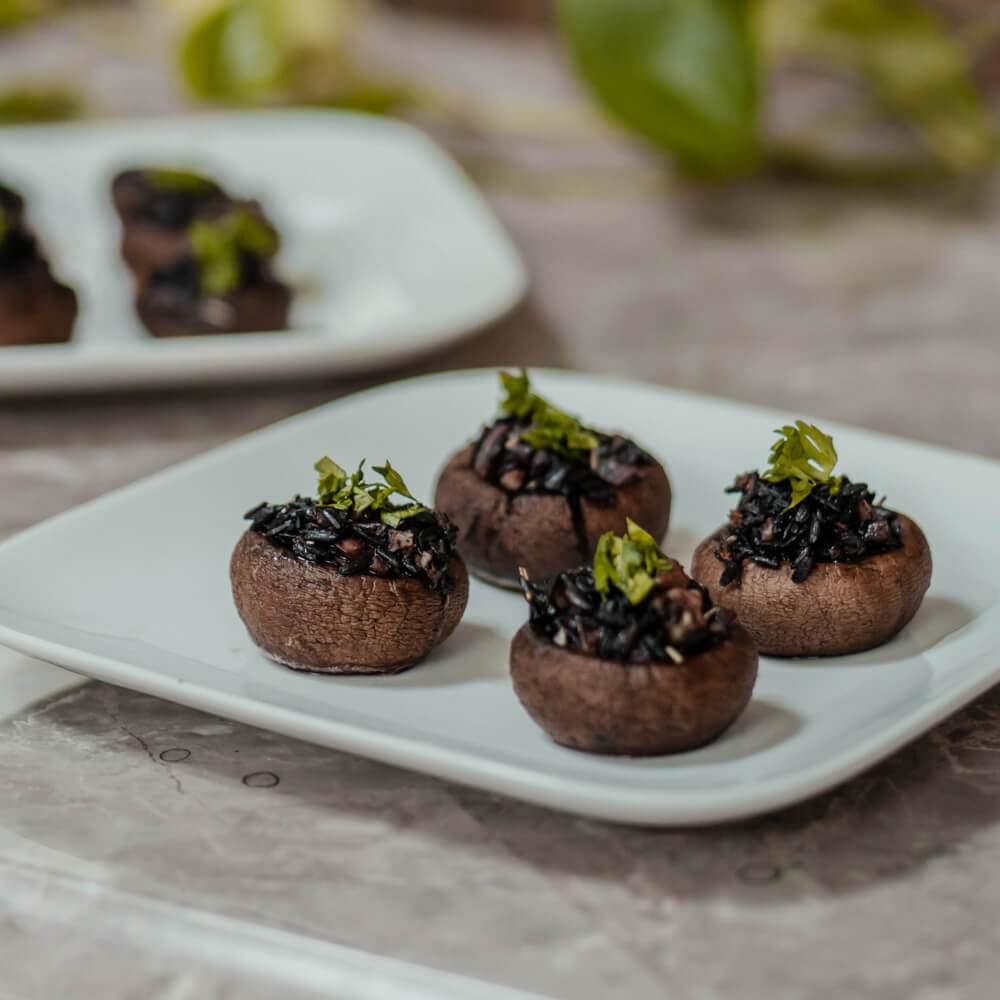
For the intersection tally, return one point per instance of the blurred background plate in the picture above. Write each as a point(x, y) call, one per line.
point(391, 250)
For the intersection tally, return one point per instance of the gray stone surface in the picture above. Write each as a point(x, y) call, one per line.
point(879, 309)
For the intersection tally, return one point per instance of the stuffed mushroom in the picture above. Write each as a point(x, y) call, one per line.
point(629, 655)
point(35, 308)
point(157, 205)
point(223, 283)
point(352, 582)
point(537, 489)
point(809, 561)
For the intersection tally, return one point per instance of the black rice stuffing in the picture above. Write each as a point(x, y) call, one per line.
point(675, 620)
point(829, 525)
point(356, 543)
point(173, 207)
point(501, 458)
point(18, 250)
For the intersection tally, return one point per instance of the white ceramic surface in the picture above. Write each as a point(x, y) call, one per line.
point(133, 589)
point(392, 250)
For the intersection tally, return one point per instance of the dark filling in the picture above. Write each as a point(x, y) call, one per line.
point(11, 202)
point(502, 459)
point(173, 207)
point(827, 526)
point(177, 288)
point(18, 251)
point(357, 543)
point(676, 619)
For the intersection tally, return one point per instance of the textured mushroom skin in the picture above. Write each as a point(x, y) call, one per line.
point(35, 308)
point(840, 608)
point(262, 306)
point(309, 617)
point(604, 706)
point(498, 533)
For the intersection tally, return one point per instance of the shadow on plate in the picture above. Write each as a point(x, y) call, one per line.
point(763, 725)
point(473, 653)
point(938, 618)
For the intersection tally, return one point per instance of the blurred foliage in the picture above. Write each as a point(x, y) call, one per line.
point(36, 104)
point(256, 51)
point(685, 74)
point(682, 73)
point(689, 76)
point(906, 59)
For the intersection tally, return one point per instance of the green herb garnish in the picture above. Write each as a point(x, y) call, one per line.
point(630, 562)
point(804, 457)
point(351, 492)
point(169, 179)
point(220, 246)
point(550, 427)
point(3, 223)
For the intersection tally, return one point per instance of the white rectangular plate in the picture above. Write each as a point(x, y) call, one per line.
point(392, 250)
point(133, 589)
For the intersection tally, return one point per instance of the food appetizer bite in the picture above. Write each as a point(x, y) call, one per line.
point(11, 206)
point(223, 283)
point(630, 656)
point(34, 307)
point(810, 563)
point(537, 489)
point(350, 583)
point(156, 206)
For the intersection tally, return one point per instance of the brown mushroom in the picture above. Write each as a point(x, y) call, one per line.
point(498, 531)
point(34, 307)
point(309, 617)
point(155, 215)
point(606, 706)
point(167, 309)
point(841, 607)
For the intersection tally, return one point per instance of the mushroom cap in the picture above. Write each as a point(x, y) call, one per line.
point(497, 533)
point(308, 617)
point(35, 308)
point(604, 706)
point(843, 607)
point(261, 306)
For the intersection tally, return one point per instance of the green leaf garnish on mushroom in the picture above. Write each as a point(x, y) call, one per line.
point(804, 457)
point(169, 179)
point(629, 562)
point(338, 489)
point(550, 427)
point(220, 247)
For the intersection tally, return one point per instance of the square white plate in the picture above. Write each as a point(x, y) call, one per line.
point(133, 589)
point(393, 251)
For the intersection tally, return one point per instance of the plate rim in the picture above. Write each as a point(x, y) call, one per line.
point(30, 370)
point(686, 807)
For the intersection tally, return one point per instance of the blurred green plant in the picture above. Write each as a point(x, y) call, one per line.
point(37, 104)
point(688, 74)
point(682, 73)
point(267, 51)
point(14, 13)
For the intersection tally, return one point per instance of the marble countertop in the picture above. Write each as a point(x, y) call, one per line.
point(147, 850)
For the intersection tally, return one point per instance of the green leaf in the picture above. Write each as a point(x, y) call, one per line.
point(220, 245)
point(38, 104)
point(906, 57)
point(629, 562)
point(236, 52)
point(331, 477)
point(550, 427)
point(169, 179)
point(520, 403)
point(681, 73)
point(804, 457)
point(393, 479)
point(338, 490)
